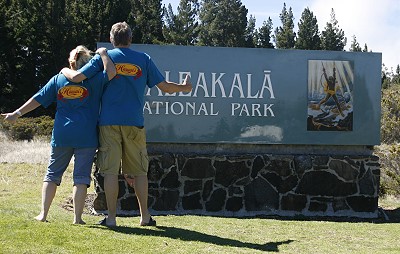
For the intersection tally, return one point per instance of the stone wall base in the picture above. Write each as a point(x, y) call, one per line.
point(254, 185)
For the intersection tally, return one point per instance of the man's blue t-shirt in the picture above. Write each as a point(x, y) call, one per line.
point(123, 98)
point(78, 105)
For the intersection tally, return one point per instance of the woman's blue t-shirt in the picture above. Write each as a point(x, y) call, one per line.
point(78, 105)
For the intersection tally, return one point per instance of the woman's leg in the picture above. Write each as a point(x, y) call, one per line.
point(79, 196)
point(48, 192)
point(59, 160)
point(84, 158)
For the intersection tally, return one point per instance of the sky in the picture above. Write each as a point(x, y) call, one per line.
point(373, 22)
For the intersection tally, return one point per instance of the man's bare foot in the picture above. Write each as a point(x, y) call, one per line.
point(79, 222)
point(111, 222)
point(108, 222)
point(145, 218)
point(150, 222)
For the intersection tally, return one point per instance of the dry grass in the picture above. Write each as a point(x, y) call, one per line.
point(33, 152)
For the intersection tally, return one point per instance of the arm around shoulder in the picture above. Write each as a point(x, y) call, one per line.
point(72, 75)
point(108, 64)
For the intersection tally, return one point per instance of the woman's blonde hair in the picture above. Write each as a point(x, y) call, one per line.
point(79, 56)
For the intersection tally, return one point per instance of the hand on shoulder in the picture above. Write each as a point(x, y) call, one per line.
point(101, 51)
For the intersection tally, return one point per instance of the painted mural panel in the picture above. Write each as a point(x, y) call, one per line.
point(330, 95)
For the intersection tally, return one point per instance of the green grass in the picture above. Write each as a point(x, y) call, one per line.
point(20, 188)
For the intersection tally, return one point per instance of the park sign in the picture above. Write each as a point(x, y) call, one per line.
point(264, 96)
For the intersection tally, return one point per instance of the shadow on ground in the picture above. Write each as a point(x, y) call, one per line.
point(190, 235)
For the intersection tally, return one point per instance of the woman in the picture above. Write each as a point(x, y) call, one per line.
point(75, 127)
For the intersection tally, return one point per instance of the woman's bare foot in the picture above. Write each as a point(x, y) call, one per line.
point(41, 218)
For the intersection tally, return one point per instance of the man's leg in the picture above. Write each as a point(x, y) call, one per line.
point(109, 161)
point(48, 192)
point(79, 196)
point(142, 193)
point(135, 162)
point(111, 190)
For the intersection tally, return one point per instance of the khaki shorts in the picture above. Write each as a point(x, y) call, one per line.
point(126, 143)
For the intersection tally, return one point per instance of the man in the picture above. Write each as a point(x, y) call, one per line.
point(122, 133)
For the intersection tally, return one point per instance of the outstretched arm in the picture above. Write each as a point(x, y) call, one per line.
point(28, 106)
point(172, 87)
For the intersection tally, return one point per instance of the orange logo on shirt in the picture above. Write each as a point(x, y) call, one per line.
point(72, 92)
point(128, 69)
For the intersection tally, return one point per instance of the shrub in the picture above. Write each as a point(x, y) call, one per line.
point(26, 128)
point(389, 157)
point(390, 117)
point(43, 125)
point(389, 151)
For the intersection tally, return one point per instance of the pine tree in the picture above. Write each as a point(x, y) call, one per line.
point(169, 20)
point(284, 35)
point(264, 34)
point(32, 35)
point(223, 23)
point(355, 46)
point(7, 52)
point(251, 33)
point(30, 30)
point(90, 21)
point(308, 34)
point(182, 28)
point(147, 19)
point(396, 76)
point(333, 37)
